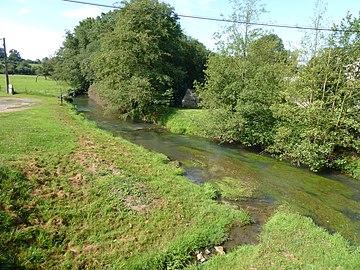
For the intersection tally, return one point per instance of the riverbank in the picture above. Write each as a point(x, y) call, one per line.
point(77, 197)
point(194, 122)
point(74, 196)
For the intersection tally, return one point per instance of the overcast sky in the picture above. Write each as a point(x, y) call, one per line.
point(36, 28)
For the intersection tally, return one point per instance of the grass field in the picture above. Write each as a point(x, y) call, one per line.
point(75, 197)
point(27, 84)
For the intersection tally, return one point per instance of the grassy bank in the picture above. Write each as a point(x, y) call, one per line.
point(290, 241)
point(188, 121)
point(31, 84)
point(75, 197)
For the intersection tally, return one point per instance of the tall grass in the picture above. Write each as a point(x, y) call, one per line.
point(185, 121)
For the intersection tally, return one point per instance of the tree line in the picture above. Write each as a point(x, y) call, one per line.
point(137, 57)
point(20, 66)
point(302, 105)
point(260, 94)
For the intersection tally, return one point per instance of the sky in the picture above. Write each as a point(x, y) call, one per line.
point(36, 28)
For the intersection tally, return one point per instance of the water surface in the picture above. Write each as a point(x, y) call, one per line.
point(252, 180)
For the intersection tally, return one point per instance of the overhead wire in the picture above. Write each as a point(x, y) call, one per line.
point(227, 20)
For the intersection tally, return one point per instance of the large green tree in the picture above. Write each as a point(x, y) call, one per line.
point(137, 57)
point(319, 124)
point(244, 79)
point(142, 65)
point(240, 91)
point(72, 62)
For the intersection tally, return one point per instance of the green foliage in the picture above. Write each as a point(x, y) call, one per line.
point(319, 122)
point(233, 40)
point(72, 63)
point(138, 58)
point(244, 80)
point(240, 91)
point(46, 68)
point(256, 95)
point(184, 121)
point(211, 191)
point(16, 64)
point(136, 67)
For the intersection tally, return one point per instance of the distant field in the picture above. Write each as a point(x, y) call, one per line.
point(26, 84)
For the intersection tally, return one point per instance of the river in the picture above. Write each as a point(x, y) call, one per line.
point(249, 180)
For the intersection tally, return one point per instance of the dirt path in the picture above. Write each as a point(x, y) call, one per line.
point(15, 104)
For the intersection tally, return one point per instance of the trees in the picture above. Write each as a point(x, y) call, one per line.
point(241, 91)
point(308, 114)
point(72, 62)
point(319, 123)
point(46, 68)
point(234, 38)
point(135, 67)
point(244, 80)
point(14, 59)
point(24, 68)
point(16, 64)
point(2, 55)
point(146, 62)
point(137, 57)
point(315, 40)
point(191, 57)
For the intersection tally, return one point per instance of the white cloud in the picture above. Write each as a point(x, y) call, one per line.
point(22, 1)
point(23, 11)
point(31, 42)
point(82, 13)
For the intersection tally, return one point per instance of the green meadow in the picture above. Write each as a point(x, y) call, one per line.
point(33, 85)
point(75, 197)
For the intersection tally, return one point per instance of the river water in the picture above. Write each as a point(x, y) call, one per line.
point(249, 180)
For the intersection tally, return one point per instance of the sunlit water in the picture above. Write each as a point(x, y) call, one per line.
point(332, 200)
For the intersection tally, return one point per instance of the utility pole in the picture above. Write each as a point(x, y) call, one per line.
point(6, 68)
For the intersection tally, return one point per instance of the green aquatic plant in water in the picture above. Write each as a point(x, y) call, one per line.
point(244, 175)
point(330, 203)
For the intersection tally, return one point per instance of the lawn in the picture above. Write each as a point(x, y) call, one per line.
point(28, 84)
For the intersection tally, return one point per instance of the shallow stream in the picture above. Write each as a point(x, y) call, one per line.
point(249, 180)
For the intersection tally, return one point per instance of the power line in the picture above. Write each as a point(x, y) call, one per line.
point(227, 20)
point(91, 4)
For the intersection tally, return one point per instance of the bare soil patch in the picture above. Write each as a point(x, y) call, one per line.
point(15, 104)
